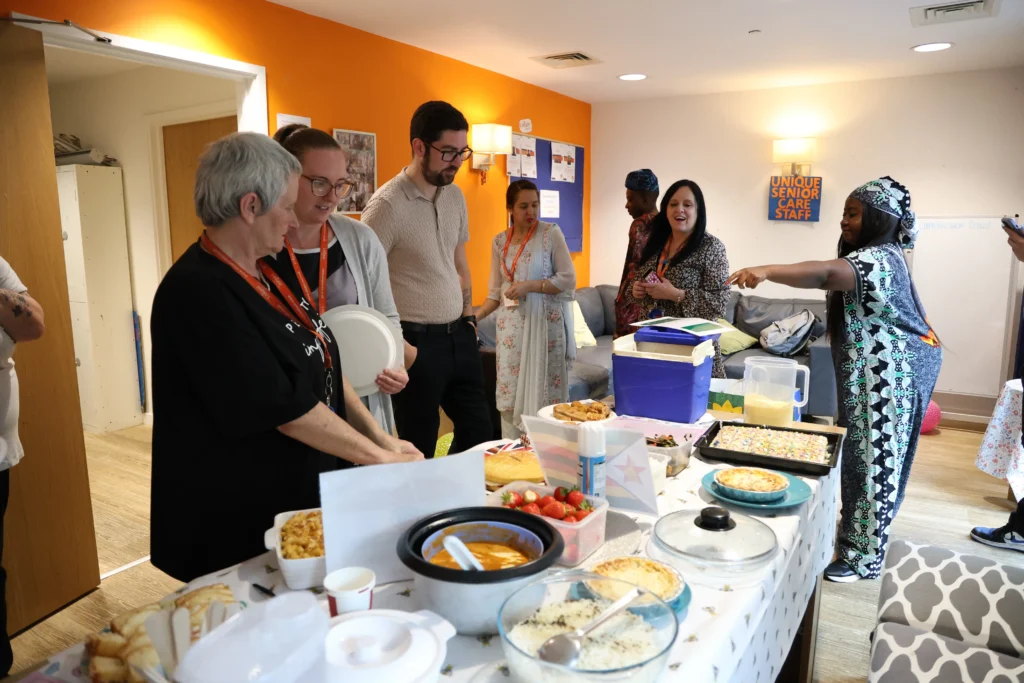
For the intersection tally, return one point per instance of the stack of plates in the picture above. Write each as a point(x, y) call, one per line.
point(369, 343)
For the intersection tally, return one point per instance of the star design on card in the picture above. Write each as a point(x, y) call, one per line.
point(631, 472)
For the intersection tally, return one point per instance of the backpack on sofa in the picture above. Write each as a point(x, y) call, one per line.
point(790, 336)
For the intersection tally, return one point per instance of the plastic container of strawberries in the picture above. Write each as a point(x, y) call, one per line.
point(582, 539)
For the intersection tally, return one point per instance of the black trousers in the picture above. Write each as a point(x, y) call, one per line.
point(6, 655)
point(447, 374)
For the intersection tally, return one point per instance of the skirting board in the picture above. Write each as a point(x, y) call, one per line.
point(964, 410)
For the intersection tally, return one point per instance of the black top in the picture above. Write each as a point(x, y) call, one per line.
point(228, 370)
point(310, 264)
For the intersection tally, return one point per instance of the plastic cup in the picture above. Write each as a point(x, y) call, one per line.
point(350, 590)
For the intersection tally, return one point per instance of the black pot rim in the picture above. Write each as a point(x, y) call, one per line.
point(410, 544)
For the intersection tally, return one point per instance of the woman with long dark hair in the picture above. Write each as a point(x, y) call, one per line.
point(682, 269)
point(886, 360)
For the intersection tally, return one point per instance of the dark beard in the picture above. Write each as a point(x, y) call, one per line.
point(437, 179)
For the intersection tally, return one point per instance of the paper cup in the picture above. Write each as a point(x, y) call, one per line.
point(350, 590)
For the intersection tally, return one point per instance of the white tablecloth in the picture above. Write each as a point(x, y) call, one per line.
point(1001, 454)
point(740, 635)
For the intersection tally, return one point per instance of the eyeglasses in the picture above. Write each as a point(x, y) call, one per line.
point(322, 188)
point(449, 155)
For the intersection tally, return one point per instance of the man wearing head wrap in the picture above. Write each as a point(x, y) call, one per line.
point(642, 204)
point(886, 360)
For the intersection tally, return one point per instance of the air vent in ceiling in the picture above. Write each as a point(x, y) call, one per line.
point(948, 12)
point(566, 60)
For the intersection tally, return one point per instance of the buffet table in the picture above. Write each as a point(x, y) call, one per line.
point(742, 634)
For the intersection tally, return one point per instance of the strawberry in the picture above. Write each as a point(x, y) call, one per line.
point(575, 498)
point(531, 508)
point(530, 496)
point(582, 514)
point(561, 493)
point(570, 519)
point(554, 510)
point(511, 499)
point(510, 507)
point(545, 501)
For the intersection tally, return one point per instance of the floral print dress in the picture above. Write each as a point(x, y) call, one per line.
point(886, 367)
point(548, 244)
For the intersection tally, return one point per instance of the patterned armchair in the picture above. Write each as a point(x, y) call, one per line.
point(944, 617)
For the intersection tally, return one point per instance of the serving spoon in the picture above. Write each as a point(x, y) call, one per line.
point(564, 649)
point(460, 553)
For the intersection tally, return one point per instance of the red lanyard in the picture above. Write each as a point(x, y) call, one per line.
point(321, 290)
point(297, 315)
point(511, 274)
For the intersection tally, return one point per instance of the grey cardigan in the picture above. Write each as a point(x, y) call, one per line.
point(365, 257)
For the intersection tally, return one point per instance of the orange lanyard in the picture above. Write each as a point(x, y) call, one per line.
point(664, 259)
point(511, 274)
point(321, 290)
point(297, 315)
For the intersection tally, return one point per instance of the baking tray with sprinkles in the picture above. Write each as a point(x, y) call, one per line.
point(708, 452)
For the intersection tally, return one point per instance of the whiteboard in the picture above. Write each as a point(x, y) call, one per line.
point(966, 275)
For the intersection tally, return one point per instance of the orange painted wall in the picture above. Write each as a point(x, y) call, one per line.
point(345, 78)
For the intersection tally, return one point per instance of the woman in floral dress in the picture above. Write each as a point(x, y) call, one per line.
point(683, 268)
point(886, 359)
point(531, 287)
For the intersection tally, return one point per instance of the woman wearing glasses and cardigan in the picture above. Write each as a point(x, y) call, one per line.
point(334, 250)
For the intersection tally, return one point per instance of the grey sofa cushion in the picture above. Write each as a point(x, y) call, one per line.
point(754, 313)
point(734, 363)
point(593, 309)
point(962, 597)
point(600, 355)
point(902, 654)
point(587, 381)
point(608, 294)
point(730, 307)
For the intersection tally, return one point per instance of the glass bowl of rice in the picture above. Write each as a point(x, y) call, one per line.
point(633, 646)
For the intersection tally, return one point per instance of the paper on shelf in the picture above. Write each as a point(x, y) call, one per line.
point(367, 509)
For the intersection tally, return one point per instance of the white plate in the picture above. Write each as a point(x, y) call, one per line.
point(369, 344)
point(548, 413)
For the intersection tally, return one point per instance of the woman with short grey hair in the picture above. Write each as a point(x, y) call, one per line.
point(250, 405)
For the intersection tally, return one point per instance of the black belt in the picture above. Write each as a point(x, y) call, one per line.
point(436, 328)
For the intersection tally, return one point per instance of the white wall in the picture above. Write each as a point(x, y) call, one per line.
point(956, 140)
point(115, 114)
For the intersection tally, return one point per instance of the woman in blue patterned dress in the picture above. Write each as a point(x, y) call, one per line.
point(886, 359)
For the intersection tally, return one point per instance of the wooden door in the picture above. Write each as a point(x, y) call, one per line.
point(49, 541)
point(183, 143)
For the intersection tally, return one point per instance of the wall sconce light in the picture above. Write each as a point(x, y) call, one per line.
point(795, 154)
point(489, 139)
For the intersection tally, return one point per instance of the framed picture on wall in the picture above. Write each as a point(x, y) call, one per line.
point(361, 149)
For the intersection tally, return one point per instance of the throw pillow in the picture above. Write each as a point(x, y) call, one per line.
point(584, 337)
point(734, 341)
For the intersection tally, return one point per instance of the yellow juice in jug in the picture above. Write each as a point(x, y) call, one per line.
point(762, 410)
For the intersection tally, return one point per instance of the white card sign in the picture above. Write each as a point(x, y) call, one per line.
point(367, 509)
point(526, 126)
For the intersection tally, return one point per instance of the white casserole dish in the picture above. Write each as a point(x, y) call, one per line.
point(298, 574)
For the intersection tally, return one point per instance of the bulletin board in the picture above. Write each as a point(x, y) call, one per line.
point(570, 218)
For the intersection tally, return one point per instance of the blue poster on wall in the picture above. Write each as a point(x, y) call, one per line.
point(794, 198)
point(570, 194)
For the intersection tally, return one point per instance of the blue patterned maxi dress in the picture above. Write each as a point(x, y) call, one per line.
point(886, 366)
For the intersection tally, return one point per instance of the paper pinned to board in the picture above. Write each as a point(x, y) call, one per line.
point(549, 204)
point(529, 157)
point(630, 484)
point(563, 162)
point(367, 509)
point(514, 161)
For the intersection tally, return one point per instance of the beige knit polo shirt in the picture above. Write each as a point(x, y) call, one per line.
point(419, 236)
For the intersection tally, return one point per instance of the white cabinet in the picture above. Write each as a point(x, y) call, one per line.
point(99, 287)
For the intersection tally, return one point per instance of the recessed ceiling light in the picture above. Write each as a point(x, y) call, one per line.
point(932, 47)
point(632, 77)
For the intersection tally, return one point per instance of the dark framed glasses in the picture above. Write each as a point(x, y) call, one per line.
point(321, 187)
point(450, 155)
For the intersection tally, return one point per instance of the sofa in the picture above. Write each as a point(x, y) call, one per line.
point(945, 617)
point(591, 376)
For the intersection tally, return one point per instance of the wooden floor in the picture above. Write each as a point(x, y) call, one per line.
point(947, 496)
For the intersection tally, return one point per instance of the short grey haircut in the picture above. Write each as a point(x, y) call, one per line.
point(236, 165)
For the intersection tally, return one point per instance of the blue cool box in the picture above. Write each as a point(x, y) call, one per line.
point(652, 386)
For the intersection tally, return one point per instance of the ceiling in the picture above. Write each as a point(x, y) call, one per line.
point(68, 66)
point(687, 46)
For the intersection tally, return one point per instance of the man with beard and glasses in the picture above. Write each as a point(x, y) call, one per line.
point(421, 219)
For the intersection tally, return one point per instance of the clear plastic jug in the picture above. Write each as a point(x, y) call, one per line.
point(769, 388)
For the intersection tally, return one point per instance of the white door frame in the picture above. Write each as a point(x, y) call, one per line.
point(159, 172)
point(251, 79)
